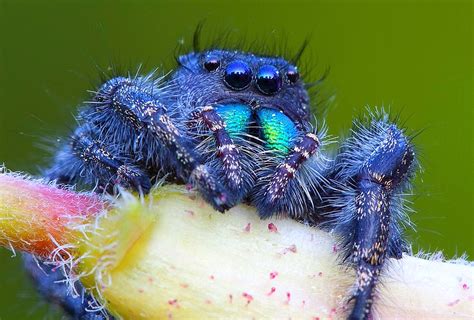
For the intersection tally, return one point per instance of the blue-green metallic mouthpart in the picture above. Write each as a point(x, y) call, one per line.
point(236, 118)
point(278, 130)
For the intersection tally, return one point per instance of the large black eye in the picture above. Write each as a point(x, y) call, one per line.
point(237, 75)
point(211, 63)
point(292, 74)
point(268, 79)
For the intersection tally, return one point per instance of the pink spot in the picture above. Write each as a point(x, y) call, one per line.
point(272, 228)
point(273, 274)
point(150, 279)
point(173, 303)
point(189, 187)
point(211, 277)
point(230, 298)
point(272, 290)
point(208, 301)
point(465, 286)
point(141, 290)
point(291, 248)
point(247, 296)
point(315, 318)
point(288, 298)
point(333, 311)
point(453, 303)
point(320, 274)
point(170, 316)
point(335, 248)
point(247, 227)
point(303, 303)
point(184, 285)
point(190, 212)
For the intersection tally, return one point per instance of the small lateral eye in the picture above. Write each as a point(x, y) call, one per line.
point(292, 74)
point(211, 63)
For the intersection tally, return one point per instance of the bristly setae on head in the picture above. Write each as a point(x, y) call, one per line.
point(227, 77)
point(259, 73)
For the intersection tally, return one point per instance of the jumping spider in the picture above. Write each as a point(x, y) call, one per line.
point(236, 127)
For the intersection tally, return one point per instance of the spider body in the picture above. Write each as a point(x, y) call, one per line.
point(236, 127)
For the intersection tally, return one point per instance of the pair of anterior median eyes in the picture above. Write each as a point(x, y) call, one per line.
point(238, 75)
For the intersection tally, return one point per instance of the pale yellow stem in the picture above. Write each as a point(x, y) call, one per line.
point(191, 262)
point(172, 256)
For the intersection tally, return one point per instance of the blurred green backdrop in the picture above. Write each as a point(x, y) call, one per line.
point(415, 56)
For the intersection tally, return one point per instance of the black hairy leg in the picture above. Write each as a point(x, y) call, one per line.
point(148, 132)
point(88, 154)
point(275, 196)
point(50, 283)
point(375, 164)
point(228, 154)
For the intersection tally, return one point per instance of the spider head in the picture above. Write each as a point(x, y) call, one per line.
point(226, 77)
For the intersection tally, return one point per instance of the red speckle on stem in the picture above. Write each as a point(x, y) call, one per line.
point(208, 301)
point(315, 318)
point(211, 277)
point(189, 187)
point(303, 303)
point(174, 303)
point(335, 248)
point(230, 298)
point(247, 227)
point(288, 298)
point(291, 248)
point(272, 290)
point(465, 286)
point(150, 279)
point(184, 285)
point(190, 212)
point(320, 274)
point(272, 228)
point(453, 303)
point(333, 311)
point(273, 274)
point(247, 296)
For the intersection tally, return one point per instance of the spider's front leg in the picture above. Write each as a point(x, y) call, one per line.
point(375, 164)
point(292, 185)
point(229, 158)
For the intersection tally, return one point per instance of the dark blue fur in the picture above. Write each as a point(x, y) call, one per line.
point(140, 129)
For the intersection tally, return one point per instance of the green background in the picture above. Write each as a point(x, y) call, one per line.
point(414, 56)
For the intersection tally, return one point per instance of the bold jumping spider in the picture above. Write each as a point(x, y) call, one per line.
point(236, 126)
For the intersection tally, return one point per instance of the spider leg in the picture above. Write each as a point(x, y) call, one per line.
point(135, 102)
point(228, 154)
point(88, 157)
point(289, 188)
point(375, 164)
point(50, 284)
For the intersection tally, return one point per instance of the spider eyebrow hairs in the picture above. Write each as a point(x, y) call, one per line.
point(236, 126)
